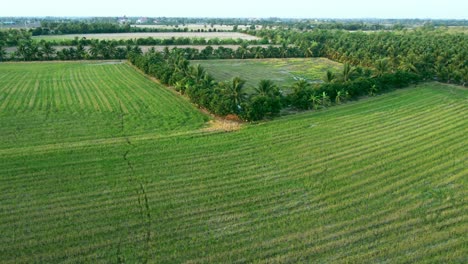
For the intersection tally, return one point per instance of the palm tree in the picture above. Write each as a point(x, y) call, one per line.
point(137, 50)
point(464, 76)
point(283, 50)
point(110, 48)
point(381, 67)
point(197, 73)
point(47, 49)
point(22, 50)
point(94, 49)
point(80, 52)
point(2, 53)
point(329, 76)
point(258, 52)
point(347, 71)
point(266, 88)
point(301, 84)
point(235, 93)
point(181, 64)
point(242, 50)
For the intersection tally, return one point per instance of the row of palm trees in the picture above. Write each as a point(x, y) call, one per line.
point(29, 50)
point(221, 98)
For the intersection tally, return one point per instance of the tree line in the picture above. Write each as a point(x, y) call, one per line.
point(172, 68)
point(29, 50)
point(80, 27)
point(224, 98)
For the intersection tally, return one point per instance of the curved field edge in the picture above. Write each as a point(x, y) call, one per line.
point(381, 179)
point(52, 102)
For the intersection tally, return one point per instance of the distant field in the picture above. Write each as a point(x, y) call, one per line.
point(381, 180)
point(159, 35)
point(195, 27)
point(284, 72)
point(61, 102)
point(460, 29)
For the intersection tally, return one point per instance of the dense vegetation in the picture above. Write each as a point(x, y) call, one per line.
point(58, 28)
point(380, 180)
point(229, 97)
point(221, 98)
point(425, 52)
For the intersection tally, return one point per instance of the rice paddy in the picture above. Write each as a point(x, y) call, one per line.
point(383, 179)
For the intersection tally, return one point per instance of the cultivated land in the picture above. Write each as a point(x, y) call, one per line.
point(380, 180)
point(197, 27)
point(156, 35)
point(42, 103)
point(284, 72)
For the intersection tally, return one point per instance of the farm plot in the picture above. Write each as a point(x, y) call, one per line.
point(194, 27)
point(284, 72)
point(381, 180)
point(58, 102)
point(156, 35)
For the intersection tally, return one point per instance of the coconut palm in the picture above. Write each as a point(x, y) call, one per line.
point(47, 49)
point(22, 50)
point(2, 53)
point(266, 88)
point(283, 50)
point(197, 73)
point(301, 84)
point(381, 67)
point(329, 77)
point(235, 93)
point(94, 49)
point(243, 50)
point(347, 71)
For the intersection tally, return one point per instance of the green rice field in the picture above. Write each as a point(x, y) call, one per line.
point(68, 102)
point(383, 179)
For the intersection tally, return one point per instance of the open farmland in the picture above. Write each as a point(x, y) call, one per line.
point(156, 35)
point(381, 180)
point(284, 72)
point(68, 102)
point(197, 27)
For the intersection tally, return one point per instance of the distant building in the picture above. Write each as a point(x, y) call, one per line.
point(142, 20)
point(124, 20)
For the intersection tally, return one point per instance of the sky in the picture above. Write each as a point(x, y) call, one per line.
point(437, 9)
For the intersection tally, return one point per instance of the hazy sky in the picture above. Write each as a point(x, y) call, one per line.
point(455, 9)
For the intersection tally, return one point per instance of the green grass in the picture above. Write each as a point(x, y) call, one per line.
point(42, 103)
point(284, 72)
point(383, 179)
